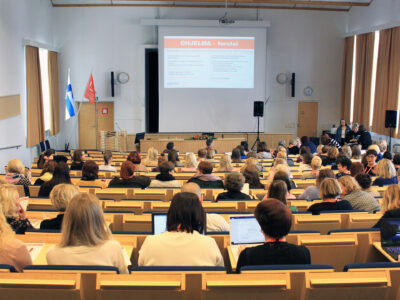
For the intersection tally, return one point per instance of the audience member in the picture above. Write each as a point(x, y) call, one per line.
point(245, 146)
point(275, 220)
point(262, 151)
point(330, 159)
point(210, 156)
point(234, 183)
point(190, 164)
point(151, 159)
point(236, 156)
point(327, 140)
point(210, 145)
point(351, 136)
point(243, 153)
point(166, 177)
point(251, 161)
point(278, 190)
point(316, 163)
point(365, 138)
point(78, 159)
point(134, 157)
point(388, 155)
point(351, 191)
point(386, 173)
point(305, 164)
point(201, 154)
point(90, 175)
point(107, 162)
point(60, 197)
point(225, 164)
point(85, 237)
point(204, 178)
point(12, 251)
point(312, 192)
point(17, 174)
point(344, 165)
point(305, 142)
point(294, 146)
point(60, 175)
point(170, 146)
point(342, 131)
point(390, 204)
point(47, 172)
point(346, 151)
point(356, 153)
point(364, 180)
point(12, 208)
point(376, 148)
point(329, 193)
point(127, 178)
point(370, 166)
point(282, 175)
point(173, 156)
point(182, 244)
point(252, 177)
point(396, 161)
point(45, 157)
point(356, 168)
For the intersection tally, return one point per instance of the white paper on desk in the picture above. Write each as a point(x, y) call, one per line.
point(246, 188)
point(23, 201)
point(34, 249)
point(126, 257)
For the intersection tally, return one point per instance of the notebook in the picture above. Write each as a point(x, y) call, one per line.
point(390, 237)
point(159, 223)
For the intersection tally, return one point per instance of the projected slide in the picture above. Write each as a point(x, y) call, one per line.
point(208, 62)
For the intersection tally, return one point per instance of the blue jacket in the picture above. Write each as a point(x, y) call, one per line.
point(338, 135)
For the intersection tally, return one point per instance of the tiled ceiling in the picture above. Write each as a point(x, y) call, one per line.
point(317, 5)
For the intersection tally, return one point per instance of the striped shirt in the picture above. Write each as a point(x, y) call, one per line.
point(334, 143)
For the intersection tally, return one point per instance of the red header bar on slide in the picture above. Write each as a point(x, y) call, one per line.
point(205, 43)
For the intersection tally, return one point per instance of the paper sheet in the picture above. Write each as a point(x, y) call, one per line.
point(34, 249)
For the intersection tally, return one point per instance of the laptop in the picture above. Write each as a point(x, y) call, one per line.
point(245, 232)
point(390, 237)
point(158, 223)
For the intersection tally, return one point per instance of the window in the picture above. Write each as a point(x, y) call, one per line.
point(373, 78)
point(44, 75)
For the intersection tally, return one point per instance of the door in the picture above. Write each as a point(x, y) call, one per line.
point(307, 119)
point(92, 118)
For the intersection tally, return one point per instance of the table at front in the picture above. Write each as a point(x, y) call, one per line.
point(183, 146)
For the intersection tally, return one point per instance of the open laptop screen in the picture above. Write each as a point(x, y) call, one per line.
point(159, 223)
point(245, 230)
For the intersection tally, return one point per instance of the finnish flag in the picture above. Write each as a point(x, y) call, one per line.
point(69, 101)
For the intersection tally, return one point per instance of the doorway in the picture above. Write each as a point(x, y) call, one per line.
point(307, 119)
point(151, 90)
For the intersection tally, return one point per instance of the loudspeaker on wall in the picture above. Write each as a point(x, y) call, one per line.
point(391, 119)
point(258, 109)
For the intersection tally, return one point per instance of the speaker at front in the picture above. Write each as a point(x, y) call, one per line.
point(258, 108)
point(391, 119)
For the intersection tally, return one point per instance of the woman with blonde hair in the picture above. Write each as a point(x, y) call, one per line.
point(329, 193)
point(60, 196)
point(225, 164)
point(316, 164)
point(386, 173)
point(85, 238)
point(152, 158)
point(351, 191)
point(390, 204)
point(330, 159)
point(190, 164)
point(12, 251)
point(346, 150)
point(17, 174)
point(12, 209)
point(252, 162)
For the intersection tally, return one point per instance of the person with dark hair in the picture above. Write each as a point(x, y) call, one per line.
point(306, 159)
point(388, 155)
point(127, 178)
point(245, 146)
point(330, 158)
point(210, 156)
point(135, 158)
point(329, 192)
point(201, 155)
point(60, 175)
point(45, 157)
point(243, 153)
point(356, 168)
point(356, 153)
point(173, 157)
point(352, 135)
point(305, 142)
point(281, 175)
point(396, 161)
point(170, 146)
point(182, 244)
point(312, 191)
point(78, 159)
point(344, 164)
point(90, 175)
point(252, 177)
point(275, 220)
point(166, 177)
point(204, 178)
point(370, 166)
point(365, 181)
point(342, 131)
point(262, 151)
point(47, 172)
point(365, 139)
point(327, 140)
point(278, 190)
point(293, 147)
point(107, 162)
point(234, 183)
point(236, 155)
point(210, 145)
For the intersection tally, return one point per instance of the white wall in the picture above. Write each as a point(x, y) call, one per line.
point(22, 19)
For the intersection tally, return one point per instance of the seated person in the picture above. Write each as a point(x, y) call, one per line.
point(352, 135)
point(166, 177)
point(183, 244)
point(370, 166)
point(134, 157)
point(47, 172)
point(127, 178)
point(262, 151)
point(344, 164)
point(327, 140)
point(278, 190)
point(364, 137)
point(351, 191)
point(244, 145)
point(210, 145)
point(210, 156)
point(85, 237)
point(60, 196)
point(236, 155)
point(225, 164)
point(252, 177)
point(364, 180)
point(201, 154)
point(215, 222)
point(12, 209)
point(396, 161)
point(12, 251)
point(205, 179)
point(312, 191)
point(60, 175)
point(316, 164)
point(294, 146)
point(356, 168)
point(170, 146)
point(330, 158)
point(386, 173)
point(282, 175)
point(78, 159)
point(234, 183)
point(356, 153)
point(275, 220)
point(390, 204)
point(329, 192)
point(17, 174)
point(173, 157)
point(107, 162)
point(90, 175)
point(190, 164)
point(305, 142)
point(346, 151)
point(305, 164)
point(45, 157)
point(152, 158)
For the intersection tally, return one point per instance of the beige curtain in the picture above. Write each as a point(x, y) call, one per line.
point(387, 78)
point(362, 85)
point(346, 77)
point(54, 93)
point(35, 116)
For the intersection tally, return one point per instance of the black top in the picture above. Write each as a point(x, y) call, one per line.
point(390, 214)
point(136, 181)
point(52, 223)
point(365, 140)
point(316, 208)
point(351, 135)
point(274, 253)
point(233, 195)
point(76, 165)
point(45, 189)
point(19, 225)
point(327, 161)
point(294, 150)
point(217, 184)
point(39, 181)
point(310, 145)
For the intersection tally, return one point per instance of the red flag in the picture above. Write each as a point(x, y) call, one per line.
point(90, 93)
